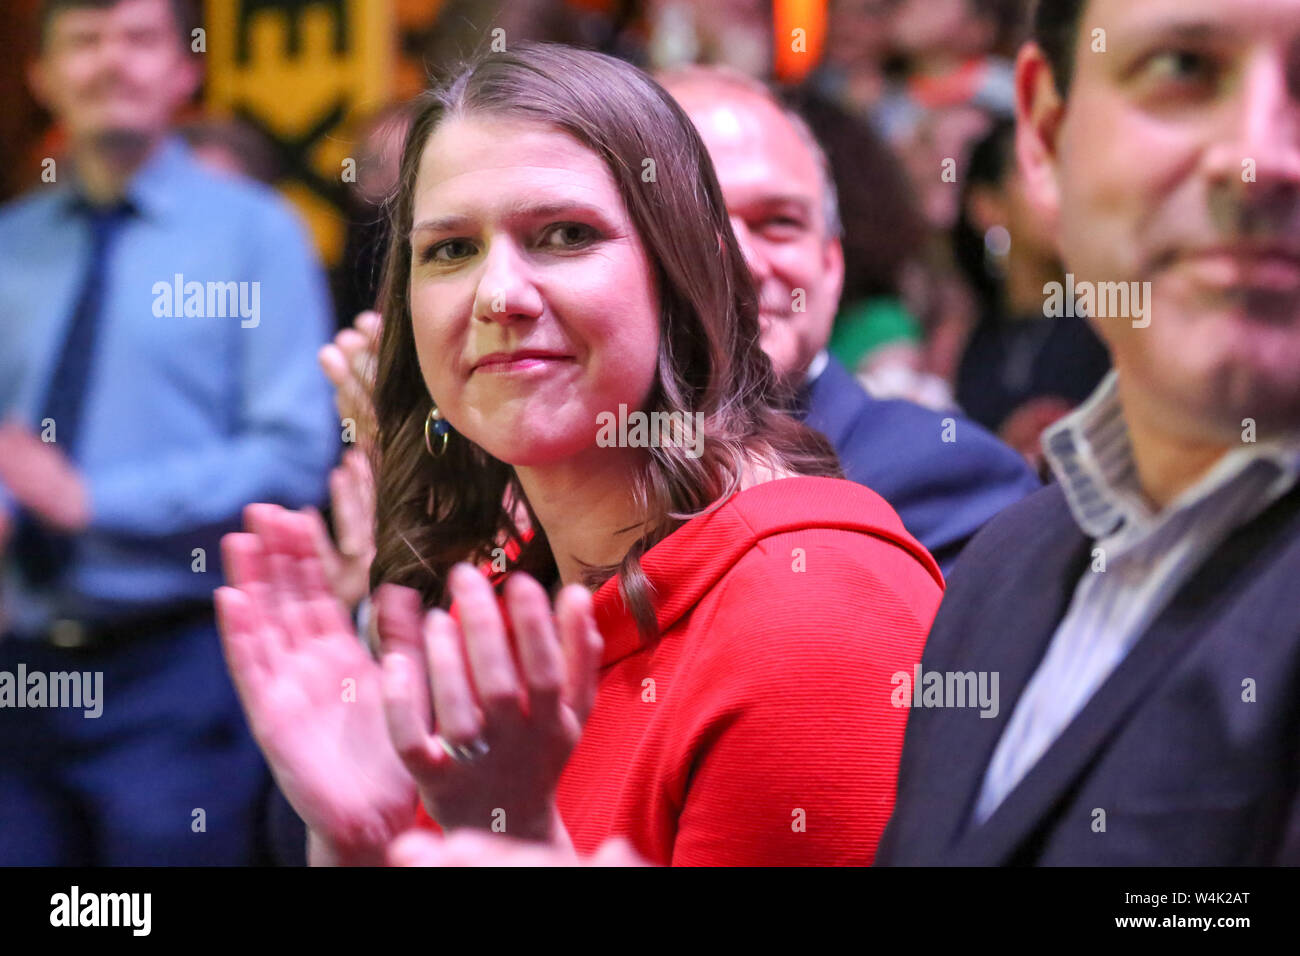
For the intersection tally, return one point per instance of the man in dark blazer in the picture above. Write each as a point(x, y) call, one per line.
point(944, 475)
point(1137, 621)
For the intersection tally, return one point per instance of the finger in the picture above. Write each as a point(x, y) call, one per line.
point(352, 343)
point(364, 480)
point(492, 669)
point(466, 847)
point(399, 618)
point(459, 719)
point(244, 558)
point(352, 521)
point(368, 323)
point(354, 401)
point(617, 851)
point(245, 654)
point(409, 725)
point(334, 364)
point(340, 478)
point(540, 656)
point(320, 537)
point(400, 615)
point(415, 848)
point(287, 542)
point(583, 647)
point(359, 350)
point(326, 613)
point(363, 369)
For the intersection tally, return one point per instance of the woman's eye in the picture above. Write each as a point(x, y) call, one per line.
point(448, 250)
point(568, 235)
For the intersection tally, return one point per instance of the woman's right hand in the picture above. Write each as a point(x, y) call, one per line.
point(310, 690)
point(349, 363)
point(352, 497)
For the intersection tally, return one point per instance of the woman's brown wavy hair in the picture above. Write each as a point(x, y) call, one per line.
point(433, 512)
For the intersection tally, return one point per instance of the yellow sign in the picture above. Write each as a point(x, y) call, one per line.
point(299, 72)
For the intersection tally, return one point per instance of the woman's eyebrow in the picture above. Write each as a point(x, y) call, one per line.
point(441, 224)
point(523, 210)
point(554, 207)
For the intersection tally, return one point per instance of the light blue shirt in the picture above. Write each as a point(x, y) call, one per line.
point(187, 418)
point(1139, 561)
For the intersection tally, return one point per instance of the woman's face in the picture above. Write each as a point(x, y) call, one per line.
point(532, 301)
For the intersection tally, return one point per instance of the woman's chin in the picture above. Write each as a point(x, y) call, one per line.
point(524, 450)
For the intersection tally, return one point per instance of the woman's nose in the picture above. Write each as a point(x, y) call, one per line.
point(507, 289)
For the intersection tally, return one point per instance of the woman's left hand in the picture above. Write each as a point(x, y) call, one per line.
point(506, 720)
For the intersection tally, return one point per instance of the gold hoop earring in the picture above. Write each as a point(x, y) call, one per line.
point(440, 427)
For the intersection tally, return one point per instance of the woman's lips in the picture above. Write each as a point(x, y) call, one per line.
point(521, 365)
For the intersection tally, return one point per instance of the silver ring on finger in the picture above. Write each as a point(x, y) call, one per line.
point(464, 753)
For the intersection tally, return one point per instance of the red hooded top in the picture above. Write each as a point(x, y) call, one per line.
point(759, 727)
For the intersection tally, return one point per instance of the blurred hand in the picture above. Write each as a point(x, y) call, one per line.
point(42, 479)
point(350, 364)
point(529, 716)
point(311, 691)
point(352, 495)
point(475, 848)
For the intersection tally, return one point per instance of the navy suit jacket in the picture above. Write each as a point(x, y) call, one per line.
point(1185, 769)
point(943, 490)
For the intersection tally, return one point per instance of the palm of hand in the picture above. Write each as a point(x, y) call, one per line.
point(321, 725)
point(310, 690)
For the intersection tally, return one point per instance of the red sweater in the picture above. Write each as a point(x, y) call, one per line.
point(759, 728)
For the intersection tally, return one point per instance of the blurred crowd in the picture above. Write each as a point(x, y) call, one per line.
point(912, 102)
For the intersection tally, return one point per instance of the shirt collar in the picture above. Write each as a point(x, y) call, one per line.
point(817, 366)
point(152, 190)
point(1091, 455)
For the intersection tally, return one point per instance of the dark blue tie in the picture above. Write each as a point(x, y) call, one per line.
point(43, 554)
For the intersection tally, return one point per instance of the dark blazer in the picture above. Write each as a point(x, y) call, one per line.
point(1186, 771)
point(943, 491)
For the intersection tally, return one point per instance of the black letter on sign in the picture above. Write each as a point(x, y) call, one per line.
point(293, 10)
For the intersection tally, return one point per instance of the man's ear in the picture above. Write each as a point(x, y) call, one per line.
point(1039, 111)
point(833, 269)
point(38, 82)
point(188, 79)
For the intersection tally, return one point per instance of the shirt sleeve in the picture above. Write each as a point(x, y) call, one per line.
point(800, 740)
point(285, 438)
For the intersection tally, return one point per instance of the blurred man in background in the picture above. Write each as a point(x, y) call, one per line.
point(158, 330)
point(945, 476)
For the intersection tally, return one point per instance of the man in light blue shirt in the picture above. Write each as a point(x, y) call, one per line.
point(158, 331)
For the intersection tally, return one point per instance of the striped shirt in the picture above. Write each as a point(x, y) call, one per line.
point(1140, 559)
